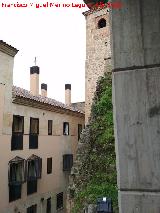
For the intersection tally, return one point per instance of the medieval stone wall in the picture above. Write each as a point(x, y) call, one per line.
point(98, 53)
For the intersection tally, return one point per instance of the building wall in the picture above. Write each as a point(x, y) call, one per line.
point(54, 146)
point(6, 82)
point(49, 146)
point(98, 53)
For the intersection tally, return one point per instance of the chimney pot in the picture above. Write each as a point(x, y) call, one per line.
point(44, 90)
point(34, 80)
point(68, 94)
point(34, 69)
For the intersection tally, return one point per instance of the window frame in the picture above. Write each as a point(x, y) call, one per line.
point(49, 165)
point(15, 186)
point(60, 197)
point(50, 122)
point(31, 186)
point(33, 137)
point(15, 192)
point(17, 137)
point(67, 162)
point(64, 132)
point(38, 160)
point(17, 160)
point(13, 124)
point(32, 119)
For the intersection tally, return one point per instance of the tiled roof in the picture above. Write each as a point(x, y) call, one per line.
point(79, 105)
point(94, 9)
point(8, 49)
point(8, 45)
point(19, 92)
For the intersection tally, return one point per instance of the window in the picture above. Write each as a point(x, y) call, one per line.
point(79, 130)
point(67, 162)
point(34, 131)
point(31, 186)
point(49, 165)
point(48, 209)
point(34, 170)
point(32, 209)
point(17, 132)
point(34, 167)
point(16, 171)
point(50, 127)
point(65, 128)
point(101, 23)
point(18, 124)
point(34, 126)
point(14, 192)
point(16, 176)
point(60, 200)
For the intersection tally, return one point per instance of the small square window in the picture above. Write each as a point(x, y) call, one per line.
point(50, 127)
point(49, 165)
point(60, 200)
point(65, 128)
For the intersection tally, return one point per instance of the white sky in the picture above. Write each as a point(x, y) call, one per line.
point(56, 36)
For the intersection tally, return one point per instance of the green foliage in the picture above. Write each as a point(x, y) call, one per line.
point(97, 170)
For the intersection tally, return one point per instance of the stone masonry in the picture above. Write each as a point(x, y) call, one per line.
point(98, 53)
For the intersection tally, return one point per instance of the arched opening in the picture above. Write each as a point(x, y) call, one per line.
point(101, 23)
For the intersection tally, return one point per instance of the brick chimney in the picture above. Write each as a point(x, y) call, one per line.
point(34, 80)
point(68, 94)
point(44, 90)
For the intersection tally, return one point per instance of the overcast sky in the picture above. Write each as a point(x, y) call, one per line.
point(56, 36)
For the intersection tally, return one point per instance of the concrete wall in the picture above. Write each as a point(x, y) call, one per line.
point(98, 53)
point(136, 100)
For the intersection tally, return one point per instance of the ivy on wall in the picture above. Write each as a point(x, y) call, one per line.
point(94, 171)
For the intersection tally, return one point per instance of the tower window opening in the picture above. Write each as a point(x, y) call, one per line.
point(101, 23)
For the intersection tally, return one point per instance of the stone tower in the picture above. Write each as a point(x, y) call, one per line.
point(98, 52)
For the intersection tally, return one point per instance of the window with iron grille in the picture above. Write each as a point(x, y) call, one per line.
point(50, 127)
point(32, 209)
point(34, 170)
point(16, 176)
point(48, 209)
point(49, 165)
point(60, 200)
point(17, 132)
point(79, 130)
point(65, 128)
point(34, 131)
point(67, 162)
